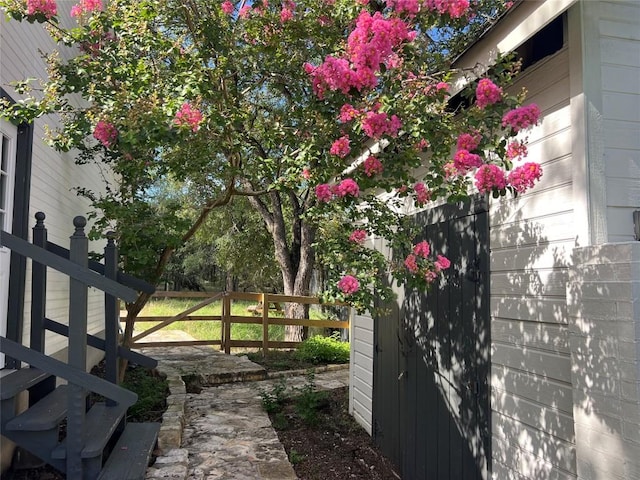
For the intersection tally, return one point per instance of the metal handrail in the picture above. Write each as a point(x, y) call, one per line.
point(69, 268)
point(71, 374)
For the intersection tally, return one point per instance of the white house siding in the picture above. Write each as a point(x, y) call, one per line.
point(531, 240)
point(362, 352)
point(53, 177)
point(361, 379)
point(619, 31)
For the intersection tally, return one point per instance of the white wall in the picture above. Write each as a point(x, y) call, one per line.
point(53, 175)
point(604, 319)
point(361, 371)
point(618, 25)
point(531, 240)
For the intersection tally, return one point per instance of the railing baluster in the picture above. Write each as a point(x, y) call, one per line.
point(112, 313)
point(38, 288)
point(38, 309)
point(79, 250)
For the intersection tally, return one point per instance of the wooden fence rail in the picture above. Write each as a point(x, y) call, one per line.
point(227, 319)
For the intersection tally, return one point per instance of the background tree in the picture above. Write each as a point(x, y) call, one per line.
point(308, 109)
point(231, 251)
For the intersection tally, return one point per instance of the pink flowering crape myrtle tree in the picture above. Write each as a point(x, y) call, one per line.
point(308, 108)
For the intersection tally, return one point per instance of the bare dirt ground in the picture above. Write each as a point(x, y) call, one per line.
point(335, 447)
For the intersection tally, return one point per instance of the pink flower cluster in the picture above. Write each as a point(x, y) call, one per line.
point(489, 177)
point(524, 177)
point(347, 113)
point(516, 150)
point(469, 141)
point(188, 116)
point(411, 262)
point(340, 147)
point(450, 171)
point(454, 8)
point(377, 124)
point(422, 144)
point(227, 7)
point(438, 88)
point(423, 195)
point(48, 8)
point(348, 284)
point(410, 7)
point(375, 38)
point(420, 267)
point(106, 133)
point(286, 14)
point(372, 166)
point(369, 45)
point(463, 161)
point(487, 93)
point(346, 187)
point(86, 6)
point(334, 74)
point(323, 192)
point(442, 263)
point(358, 236)
point(244, 11)
point(422, 249)
point(521, 117)
point(306, 173)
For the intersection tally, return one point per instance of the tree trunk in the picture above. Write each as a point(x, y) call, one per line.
point(294, 333)
point(293, 253)
point(133, 310)
point(229, 283)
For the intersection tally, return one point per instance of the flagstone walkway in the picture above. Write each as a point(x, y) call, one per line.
point(222, 433)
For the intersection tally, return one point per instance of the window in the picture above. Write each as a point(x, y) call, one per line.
point(8, 134)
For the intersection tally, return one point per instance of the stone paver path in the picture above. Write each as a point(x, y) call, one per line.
point(225, 434)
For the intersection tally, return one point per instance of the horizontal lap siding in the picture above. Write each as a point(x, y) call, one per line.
point(362, 371)
point(54, 175)
point(531, 240)
point(619, 26)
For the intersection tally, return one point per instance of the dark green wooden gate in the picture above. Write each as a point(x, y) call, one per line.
point(431, 362)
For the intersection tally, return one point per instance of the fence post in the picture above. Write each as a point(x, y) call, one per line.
point(265, 324)
point(38, 287)
point(111, 314)
point(222, 323)
point(78, 253)
point(226, 322)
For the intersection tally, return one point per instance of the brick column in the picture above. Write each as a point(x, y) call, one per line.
point(603, 298)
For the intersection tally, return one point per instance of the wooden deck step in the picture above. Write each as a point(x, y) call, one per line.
point(44, 415)
point(130, 456)
point(100, 423)
point(16, 382)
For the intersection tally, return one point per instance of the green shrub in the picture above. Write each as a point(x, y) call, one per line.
point(321, 349)
point(272, 400)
